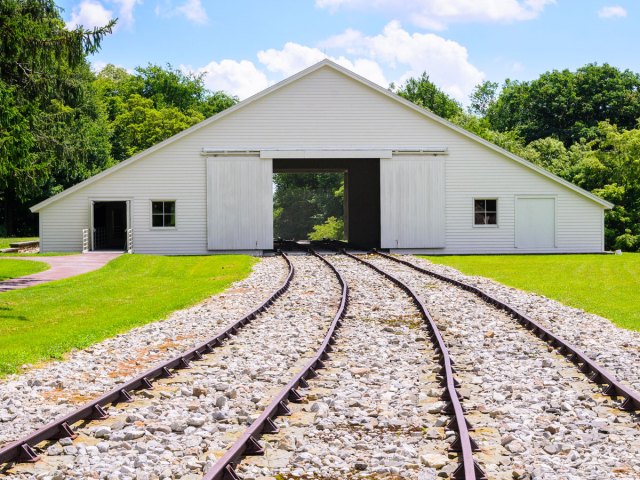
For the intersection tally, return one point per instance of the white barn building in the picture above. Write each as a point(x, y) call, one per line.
point(414, 182)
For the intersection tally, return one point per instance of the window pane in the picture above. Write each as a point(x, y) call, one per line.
point(156, 207)
point(479, 205)
point(156, 221)
point(169, 207)
point(479, 219)
point(491, 218)
point(169, 220)
point(492, 205)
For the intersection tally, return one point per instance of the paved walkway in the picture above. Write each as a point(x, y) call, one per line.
point(64, 266)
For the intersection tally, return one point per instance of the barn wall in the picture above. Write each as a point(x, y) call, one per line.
point(326, 110)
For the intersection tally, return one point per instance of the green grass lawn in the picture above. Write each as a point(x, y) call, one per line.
point(18, 268)
point(5, 241)
point(608, 285)
point(45, 321)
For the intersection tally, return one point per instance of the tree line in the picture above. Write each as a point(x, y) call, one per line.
point(60, 123)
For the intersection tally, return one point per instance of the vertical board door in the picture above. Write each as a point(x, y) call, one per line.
point(535, 222)
point(239, 203)
point(412, 202)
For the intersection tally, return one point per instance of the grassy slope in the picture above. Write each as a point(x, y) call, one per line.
point(5, 241)
point(18, 268)
point(608, 285)
point(45, 321)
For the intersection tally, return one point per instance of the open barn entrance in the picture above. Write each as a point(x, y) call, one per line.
point(109, 226)
point(360, 205)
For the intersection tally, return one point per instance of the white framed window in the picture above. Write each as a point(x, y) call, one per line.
point(485, 212)
point(163, 214)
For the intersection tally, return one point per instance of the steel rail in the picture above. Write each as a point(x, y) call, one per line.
point(247, 444)
point(22, 450)
point(591, 369)
point(463, 443)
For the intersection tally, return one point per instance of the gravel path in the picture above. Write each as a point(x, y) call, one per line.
point(40, 394)
point(615, 348)
point(184, 424)
point(375, 409)
point(535, 415)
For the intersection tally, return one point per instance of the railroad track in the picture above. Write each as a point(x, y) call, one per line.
point(248, 442)
point(462, 444)
point(612, 387)
point(29, 448)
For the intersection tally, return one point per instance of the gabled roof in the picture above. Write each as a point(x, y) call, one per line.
point(322, 64)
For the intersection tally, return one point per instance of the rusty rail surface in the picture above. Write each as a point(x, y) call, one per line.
point(592, 370)
point(463, 443)
point(22, 450)
point(247, 444)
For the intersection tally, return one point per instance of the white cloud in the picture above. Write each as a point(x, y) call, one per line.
point(437, 14)
point(614, 11)
point(445, 61)
point(89, 14)
point(237, 78)
point(291, 59)
point(295, 57)
point(192, 10)
point(125, 12)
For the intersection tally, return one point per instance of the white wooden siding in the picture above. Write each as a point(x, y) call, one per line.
point(239, 203)
point(325, 109)
point(412, 202)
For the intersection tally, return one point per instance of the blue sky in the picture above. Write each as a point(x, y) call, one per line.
point(243, 46)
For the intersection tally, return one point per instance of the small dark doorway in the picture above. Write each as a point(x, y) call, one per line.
point(109, 225)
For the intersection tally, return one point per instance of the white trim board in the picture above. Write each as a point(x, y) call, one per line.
point(322, 64)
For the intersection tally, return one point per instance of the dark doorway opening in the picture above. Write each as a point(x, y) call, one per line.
point(361, 195)
point(109, 225)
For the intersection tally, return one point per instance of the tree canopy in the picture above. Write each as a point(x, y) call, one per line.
point(568, 105)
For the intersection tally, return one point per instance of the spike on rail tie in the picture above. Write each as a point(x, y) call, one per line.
point(65, 431)
point(165, 373)
point(270, 426)
point(125, 396)
point(27, 454)
point(253, 447)
point(230, 473)
point(99, 413)
point(294, 396)
point(146, 384)
point(283, 410)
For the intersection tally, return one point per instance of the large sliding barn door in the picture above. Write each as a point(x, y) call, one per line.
point(412, 202)
point(239, 203)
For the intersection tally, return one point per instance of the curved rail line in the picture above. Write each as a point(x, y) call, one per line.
point(247, 444)
point(463, 443)
point(592, 370)
point(22, 450)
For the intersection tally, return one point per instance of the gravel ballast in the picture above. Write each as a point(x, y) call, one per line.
point(375, 409)
point(182, 426)
point(536, 415)
point(615, 348)
point(374, 412)
point(42, 393)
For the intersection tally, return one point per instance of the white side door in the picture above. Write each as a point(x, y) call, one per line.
point(535, 223)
